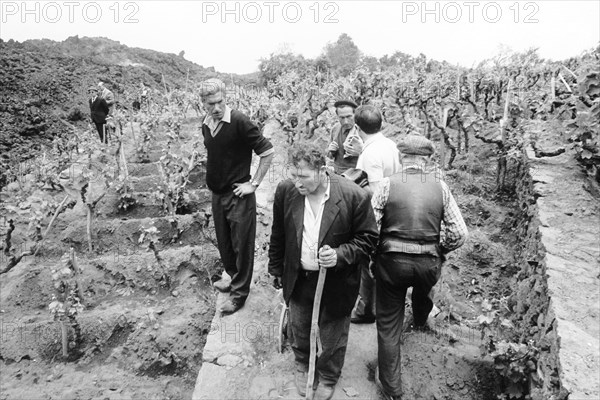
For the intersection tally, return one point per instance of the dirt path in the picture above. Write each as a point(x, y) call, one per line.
point(241, 358)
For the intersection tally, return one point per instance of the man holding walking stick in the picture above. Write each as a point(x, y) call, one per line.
point(320, 220)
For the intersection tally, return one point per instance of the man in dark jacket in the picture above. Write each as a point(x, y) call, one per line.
point(320, 220)
point(98, 111)
point(345, 145)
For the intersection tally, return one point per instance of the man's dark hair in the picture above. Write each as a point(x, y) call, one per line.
point(368, 118)
point(344, 103)
point(307, 151)
point(337, 109)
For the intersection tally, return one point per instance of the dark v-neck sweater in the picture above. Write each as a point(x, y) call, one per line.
point(230, 152)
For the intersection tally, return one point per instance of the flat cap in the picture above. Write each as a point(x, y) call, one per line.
point(93, 88)
point(416, 145)
point(341, 103)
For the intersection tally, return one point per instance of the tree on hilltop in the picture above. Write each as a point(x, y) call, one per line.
point(278, 64)
point(397, 59)
point(344, 55)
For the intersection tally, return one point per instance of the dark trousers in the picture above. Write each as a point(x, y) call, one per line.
point(365, 307)
point(235, 228)
point(333, 332)
point(101, 128)
point(394, 274)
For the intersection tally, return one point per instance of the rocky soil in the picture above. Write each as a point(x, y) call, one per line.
point(139, 337)
point(149, 328)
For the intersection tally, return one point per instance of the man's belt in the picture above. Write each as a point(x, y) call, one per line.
point(393, 245)
point(307, 273)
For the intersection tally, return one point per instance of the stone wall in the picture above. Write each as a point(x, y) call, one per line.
point(534, 316)
point(556, 279)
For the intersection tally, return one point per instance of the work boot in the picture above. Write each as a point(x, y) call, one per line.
point(386, 396)
point(361, 313)
point(230, 306)
point(222, 285)
point(324, 392)
point(361, 319)
point(424, 328)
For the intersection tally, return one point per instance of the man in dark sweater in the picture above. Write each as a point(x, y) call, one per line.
point(230, 137)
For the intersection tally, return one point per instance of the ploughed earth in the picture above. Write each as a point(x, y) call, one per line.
point(149, 328)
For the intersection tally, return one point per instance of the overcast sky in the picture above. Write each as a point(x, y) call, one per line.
point(232, 36)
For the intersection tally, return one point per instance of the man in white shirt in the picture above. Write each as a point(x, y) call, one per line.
point(379, 159)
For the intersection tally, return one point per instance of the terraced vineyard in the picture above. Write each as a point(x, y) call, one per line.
point(109, 255)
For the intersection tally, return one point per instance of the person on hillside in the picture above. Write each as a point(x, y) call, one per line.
point(419, 223)
point(98, 111)
point(345, 145)
point(143, 96)
point(379, 159)
point(230, 138)
point(107, 95)
point(320, 220)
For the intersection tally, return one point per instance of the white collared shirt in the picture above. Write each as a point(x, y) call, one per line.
point(379, 159)
point(215, 126)
point(309, 254)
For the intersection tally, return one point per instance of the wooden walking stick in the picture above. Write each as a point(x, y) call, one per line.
point(314, 333)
